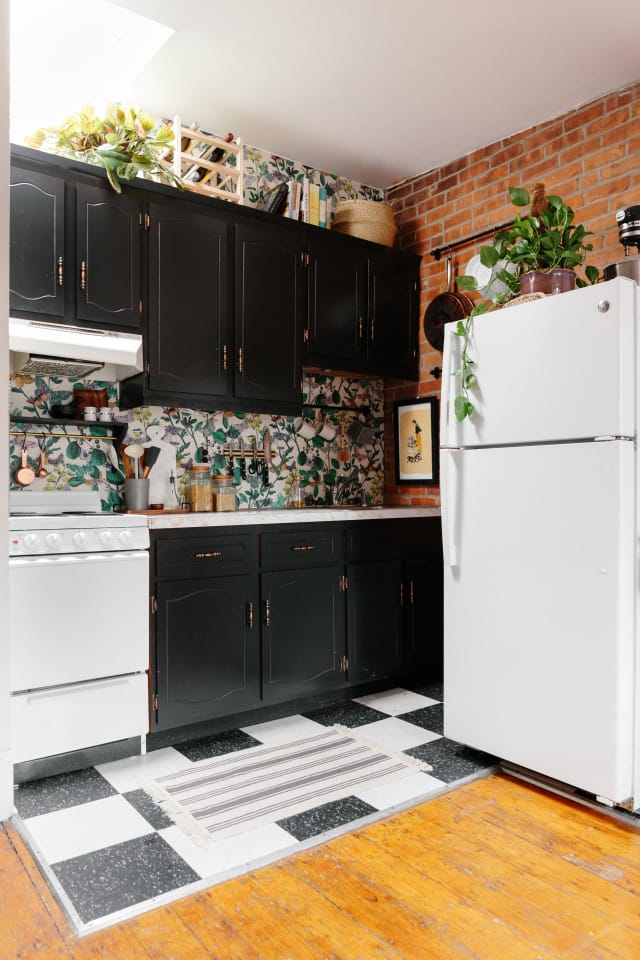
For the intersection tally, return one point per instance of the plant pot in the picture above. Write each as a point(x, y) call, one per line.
point(534, 281)
point(561, 280)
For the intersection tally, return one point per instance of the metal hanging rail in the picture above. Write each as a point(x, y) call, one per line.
point(438, 251)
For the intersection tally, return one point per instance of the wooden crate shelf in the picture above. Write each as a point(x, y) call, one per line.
point(222, 179)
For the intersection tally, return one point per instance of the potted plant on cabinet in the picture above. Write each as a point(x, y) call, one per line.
point(537, 254)
point(126, 142)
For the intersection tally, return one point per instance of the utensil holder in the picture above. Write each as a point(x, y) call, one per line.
point(136, 494)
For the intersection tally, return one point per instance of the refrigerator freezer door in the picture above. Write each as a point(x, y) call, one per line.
point(552, 369)
point(539, 609)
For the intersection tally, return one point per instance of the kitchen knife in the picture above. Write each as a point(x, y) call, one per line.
point(243, 463)
point(230, 455)
point(266, 450)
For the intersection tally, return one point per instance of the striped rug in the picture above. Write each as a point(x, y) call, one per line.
point(233, 793)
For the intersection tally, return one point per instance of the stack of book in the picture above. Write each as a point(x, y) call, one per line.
point(298, 200)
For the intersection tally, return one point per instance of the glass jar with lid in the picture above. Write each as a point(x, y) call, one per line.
point(200, 489)
point(224, 494)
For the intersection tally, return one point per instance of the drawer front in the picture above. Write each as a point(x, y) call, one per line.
point(205, 556)
point(82, 715)
point(302, 548)
point(392, 540)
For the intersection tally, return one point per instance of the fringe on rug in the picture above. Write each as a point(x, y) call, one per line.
point(380, 748)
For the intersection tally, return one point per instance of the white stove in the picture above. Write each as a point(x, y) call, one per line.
point(78, 677)
point(65, 522)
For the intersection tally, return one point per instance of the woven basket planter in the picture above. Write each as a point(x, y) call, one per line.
point(368, 219)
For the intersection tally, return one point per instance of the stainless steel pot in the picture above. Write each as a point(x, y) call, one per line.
point(629, 267)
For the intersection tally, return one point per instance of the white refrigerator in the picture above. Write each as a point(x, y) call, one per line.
point(540, 539)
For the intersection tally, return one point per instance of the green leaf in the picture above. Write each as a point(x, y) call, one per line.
point(73, 450)
point(519, 197)
point(463, 408)
point(489, 256)
point(592, 274)
point(467, 283)
point(219, 436)
point(460, 330)
point(470, 381)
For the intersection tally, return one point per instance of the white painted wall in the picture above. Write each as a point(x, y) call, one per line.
point(6, 778)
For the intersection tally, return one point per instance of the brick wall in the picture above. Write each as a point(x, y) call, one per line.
point(590, 157)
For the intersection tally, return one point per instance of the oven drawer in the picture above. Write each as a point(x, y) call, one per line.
point(77, 617)
point(48, 722)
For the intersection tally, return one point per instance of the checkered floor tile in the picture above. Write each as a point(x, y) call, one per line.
point(110, 852)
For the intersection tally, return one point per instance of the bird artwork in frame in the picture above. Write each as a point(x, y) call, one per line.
point(416, 441)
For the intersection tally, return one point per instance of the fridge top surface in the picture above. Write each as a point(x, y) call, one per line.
point(550, 370)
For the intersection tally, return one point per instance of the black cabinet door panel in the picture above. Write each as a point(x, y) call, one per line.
point(108, 255)
point(188, 263)
point(37, 255)
point(337, 299)
point(374, 620)
point(207, 649)
point(269, 311)
point(393, 308)
point(302, 632)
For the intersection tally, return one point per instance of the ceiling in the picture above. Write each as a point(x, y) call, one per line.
point(373, 90)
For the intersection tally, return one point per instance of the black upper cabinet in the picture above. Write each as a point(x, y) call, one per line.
point(108, 251)
point(392, 323)
point(337, 299)
point(37, 256)
point(189, 346)
point(269, 315)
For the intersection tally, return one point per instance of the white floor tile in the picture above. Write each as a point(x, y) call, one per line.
point(85, 827)
point(395, 734)
point(287, 728)
point(221, 856)
point(410, 788)
point(396, 701)
point(124, 774)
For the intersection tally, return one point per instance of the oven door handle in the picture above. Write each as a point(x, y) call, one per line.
point(75, 558)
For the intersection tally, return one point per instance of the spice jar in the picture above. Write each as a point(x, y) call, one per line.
point(224, 494)
point(200, 489)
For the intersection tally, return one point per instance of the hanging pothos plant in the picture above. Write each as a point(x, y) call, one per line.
point(545, 240)
point(125, 142)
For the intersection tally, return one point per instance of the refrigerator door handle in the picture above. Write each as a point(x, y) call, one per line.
point(449, 485)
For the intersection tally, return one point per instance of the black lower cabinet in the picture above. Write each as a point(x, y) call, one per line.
point(424, 626)
point(375, 620)
point(303, 637)
point(207, 649)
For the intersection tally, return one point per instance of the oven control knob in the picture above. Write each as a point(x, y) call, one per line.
point(52, 539)
point(125, 537)
point(106, 537)
point(79, 538)
point(31, 540)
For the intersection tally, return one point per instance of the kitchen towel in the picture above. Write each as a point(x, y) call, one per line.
point(230, 794)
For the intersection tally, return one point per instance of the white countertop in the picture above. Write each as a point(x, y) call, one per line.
point(235, 518)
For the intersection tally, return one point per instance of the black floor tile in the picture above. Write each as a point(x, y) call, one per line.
point(63, 790)
point(434, 689)
point(218, 743)
point(107, 880)
point(429, 718)
point(348, 713)
point(450, 760)
point(326, 817)
point(146, 807)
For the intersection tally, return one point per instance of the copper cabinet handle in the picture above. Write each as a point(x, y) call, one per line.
point(83, 275)
point(402, 594)
point(411, 592)
point(303, 549)
point(60, 271)
point(240, 360)
point(206, 555)
point(225, 358)
point(267, 613)
point(360, 328)
point(372, 328)
point(250, 613)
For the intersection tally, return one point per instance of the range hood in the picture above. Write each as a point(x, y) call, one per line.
point(51, 349)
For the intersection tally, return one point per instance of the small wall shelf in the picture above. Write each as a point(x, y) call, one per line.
point(118, 429)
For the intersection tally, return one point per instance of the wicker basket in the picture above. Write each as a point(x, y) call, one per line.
point(367, 219)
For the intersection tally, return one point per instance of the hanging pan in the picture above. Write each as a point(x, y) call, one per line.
point(447, 307)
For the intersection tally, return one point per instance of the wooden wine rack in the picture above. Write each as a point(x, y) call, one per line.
point(221, 179)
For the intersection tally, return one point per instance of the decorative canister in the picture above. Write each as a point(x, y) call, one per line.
point(224, 495)
point(200, 488)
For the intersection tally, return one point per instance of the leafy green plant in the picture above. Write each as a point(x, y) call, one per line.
point(547, 239)
point(125, 142)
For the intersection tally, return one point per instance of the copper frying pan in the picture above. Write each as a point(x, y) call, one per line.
point(447, 307)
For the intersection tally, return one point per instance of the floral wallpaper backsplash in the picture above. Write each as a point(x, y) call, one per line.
point(262, 171)
point(340, 470)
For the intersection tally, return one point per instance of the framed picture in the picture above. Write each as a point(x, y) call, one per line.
point(416, 441)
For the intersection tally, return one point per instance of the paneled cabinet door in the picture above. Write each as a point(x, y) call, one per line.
point(269, 314)
point(375, 598)
point(337, 293)
point(302, 632)
point(37, 255)
point(189, 342)
point(108, 255)
point(423, 605)
point(207, 649)
point(392, 326)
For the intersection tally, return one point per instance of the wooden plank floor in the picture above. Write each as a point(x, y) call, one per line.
point(496, 869)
